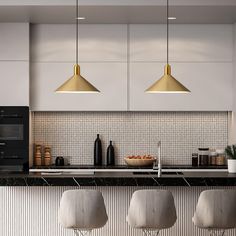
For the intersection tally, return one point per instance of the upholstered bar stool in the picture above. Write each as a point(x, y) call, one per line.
point(82, 211)
point(216, 211)
point(151, 211)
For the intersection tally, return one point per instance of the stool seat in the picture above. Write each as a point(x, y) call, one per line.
point(152, 209)
point(82, 209)
point(216, 209)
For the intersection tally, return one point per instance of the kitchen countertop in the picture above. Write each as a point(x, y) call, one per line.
point(127, 167)
point(131, 177)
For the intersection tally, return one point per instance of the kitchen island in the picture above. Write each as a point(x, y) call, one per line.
point(41, 199)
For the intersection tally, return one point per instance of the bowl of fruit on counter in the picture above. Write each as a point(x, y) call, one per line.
point(139, 161)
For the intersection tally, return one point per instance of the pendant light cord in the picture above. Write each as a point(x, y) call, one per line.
point(167, 30)
point(77, 33)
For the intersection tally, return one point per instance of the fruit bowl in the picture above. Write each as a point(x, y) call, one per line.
point(139, 161)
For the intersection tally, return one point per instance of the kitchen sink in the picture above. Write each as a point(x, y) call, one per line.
point(155, 173)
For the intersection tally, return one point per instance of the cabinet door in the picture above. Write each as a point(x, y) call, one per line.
point(14, 41)
point(14, 80)
point(97, 43)
point(201, 58)
point(103, 61)
point(187, 43)
point(210, 85)
point(14, 64)
point(109, 78)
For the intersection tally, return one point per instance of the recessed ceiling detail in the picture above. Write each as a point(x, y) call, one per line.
point(144, 12)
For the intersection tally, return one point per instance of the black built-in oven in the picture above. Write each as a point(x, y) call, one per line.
point(14, 138)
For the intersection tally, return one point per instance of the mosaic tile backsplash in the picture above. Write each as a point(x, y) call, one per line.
point(72, 134)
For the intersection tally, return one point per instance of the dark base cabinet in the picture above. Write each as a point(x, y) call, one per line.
point(14, 138)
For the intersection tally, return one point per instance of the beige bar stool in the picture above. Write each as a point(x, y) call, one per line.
point(151, 211)
point(82, 211)
point(216, 211)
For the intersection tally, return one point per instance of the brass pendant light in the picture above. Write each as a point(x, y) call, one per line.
point(77, 83)
point(167, 83)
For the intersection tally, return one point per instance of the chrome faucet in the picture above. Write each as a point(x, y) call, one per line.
point(159, 158)
point(157, 163)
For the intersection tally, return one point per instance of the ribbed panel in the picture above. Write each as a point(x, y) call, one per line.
point(33, 212)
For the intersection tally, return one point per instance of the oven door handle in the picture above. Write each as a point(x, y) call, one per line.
point(2, 144)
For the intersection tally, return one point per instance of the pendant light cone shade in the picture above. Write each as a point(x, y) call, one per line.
point(77, 84)
point(167, 84)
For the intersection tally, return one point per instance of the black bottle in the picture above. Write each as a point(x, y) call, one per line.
point(98, 151)
point(110, 155)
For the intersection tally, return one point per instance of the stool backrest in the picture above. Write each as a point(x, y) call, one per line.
point(216, 209)
point(82, 209)
point(152, 209)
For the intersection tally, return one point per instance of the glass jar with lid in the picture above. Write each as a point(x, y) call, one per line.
point(203, 156)
point(221, 157)
point(212, 158)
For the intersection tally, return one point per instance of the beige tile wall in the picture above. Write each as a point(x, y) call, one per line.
point(72, 134)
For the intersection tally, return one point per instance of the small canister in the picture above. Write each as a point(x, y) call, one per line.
point(47, 156)
point(220, 159)
point(203, 156)
point(38, 155)
point(212, 158)
point(194, 159)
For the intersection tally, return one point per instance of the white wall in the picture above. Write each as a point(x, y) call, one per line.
point(234, 80)
point(232, 128)
point(232, 115)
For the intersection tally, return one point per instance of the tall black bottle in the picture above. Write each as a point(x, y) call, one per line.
point(98, 151)
point(110, 155)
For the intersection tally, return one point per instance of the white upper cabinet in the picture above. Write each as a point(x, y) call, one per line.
point(187, 43)
point(14, 41)
point(14, 64)
point(97, 43)
point(201, 57)
point(210, 85)
point(14, 80)
point(109, 78)
point(103, 61)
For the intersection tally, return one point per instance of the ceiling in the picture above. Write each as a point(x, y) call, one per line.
point(103, 11)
